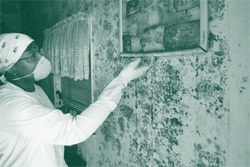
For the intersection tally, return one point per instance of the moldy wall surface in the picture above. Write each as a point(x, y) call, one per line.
point(180, 113)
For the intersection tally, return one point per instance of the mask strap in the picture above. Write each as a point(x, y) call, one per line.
point(24, 76)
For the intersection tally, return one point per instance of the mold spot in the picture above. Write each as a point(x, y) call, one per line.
point(126, 111)
point(97, 55)
point(118, 145)
point(181, 60)
point(110, 53)
point(116, 16)
point(107, 2)
point(197, 147)
point(175, 122)
point(146, 107)
point(107, 25)
point(170, 86)
point(173, 141)
point(143, 146)
point(116, 34)
point(100, 21)
point(206, 159)
point(198, 132)
point(170, 163)
point(158, 162)
point(207, 89)
point(120, 163)
point(216, 8)
point(217, 61)
point(211, 39)
point(209, 141)
point(144, 131)
point(143, 91)
point(217, 147)
point(135, 144)
point(100, 162)
point(146, 121)
point(219, 53)
point(110, 50)
point(245, 79)
point(220, 99)
point(108, 129)
point(210, 18)
point(121, 123)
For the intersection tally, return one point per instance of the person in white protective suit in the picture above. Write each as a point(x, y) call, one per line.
point(32, 132)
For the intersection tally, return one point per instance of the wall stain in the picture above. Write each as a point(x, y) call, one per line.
point(126, 111)
point(108, 129)
point(211, 39)
point(118, 145)
point(121, 124)
point(107, 25)
point(145, 132)
point(110, 53)
point(207, 89)
point(216, 9)
point(245, 79)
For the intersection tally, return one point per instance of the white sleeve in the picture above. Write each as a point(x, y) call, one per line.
point(25, 118)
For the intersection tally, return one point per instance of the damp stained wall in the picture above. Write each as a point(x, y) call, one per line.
point(186, 111)
point(180, 112)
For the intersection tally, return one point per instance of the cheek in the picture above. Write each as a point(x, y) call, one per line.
point(26, 68)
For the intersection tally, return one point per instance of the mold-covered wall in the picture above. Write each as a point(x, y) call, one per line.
point(185, 111)
point(176, 115)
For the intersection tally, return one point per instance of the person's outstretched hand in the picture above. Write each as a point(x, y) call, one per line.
point(130, 72)
point(114, 89)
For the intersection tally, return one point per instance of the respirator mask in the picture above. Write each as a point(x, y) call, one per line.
point(42, 70)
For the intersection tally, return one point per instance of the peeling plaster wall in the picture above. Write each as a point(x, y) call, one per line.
point(186, 111)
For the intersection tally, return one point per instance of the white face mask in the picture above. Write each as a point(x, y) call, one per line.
point(42, 70)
